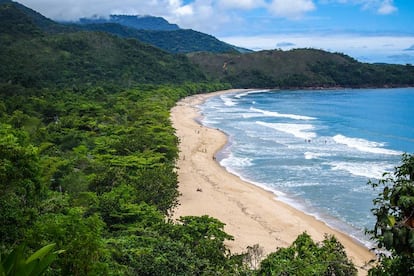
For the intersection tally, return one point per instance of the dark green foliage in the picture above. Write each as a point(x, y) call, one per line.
point(300, 68)
point(172, 41)
point(158, 32)
point(26, 16)
point(75, 232)
point(355, 74)
point(21, 189)
point(158, 186)
point(305, 257)
point(90, 58)
point(394, 228)
point(205, 236)
point(14, 22)
point(35, 53)
point(137, 22)
point(15, 264)
point(87, 155)
point(107, 157)
point(193, 247)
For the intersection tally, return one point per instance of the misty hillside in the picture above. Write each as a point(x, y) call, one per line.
point(31, 57)
point(177, 41)
point(151, 23)
point(88, 152)
point(23, 16)
point(158, 32)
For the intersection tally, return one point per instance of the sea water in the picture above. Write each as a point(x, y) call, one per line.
point(316, 150)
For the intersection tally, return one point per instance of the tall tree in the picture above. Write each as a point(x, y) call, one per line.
point(305, 257)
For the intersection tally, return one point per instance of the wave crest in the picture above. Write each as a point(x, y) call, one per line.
point(364, 145)
point(281, 115)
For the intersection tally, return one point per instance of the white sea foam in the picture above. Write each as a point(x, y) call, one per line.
point(227, 100)
point(251, 115)
point(238, 96)
point(364, 169)
point(281, 115)
point(315, 155)
point(298, 130)
point(364, 145)
point(299, 203)
point(237, 162)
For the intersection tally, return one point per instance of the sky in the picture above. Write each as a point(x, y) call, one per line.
point(368, 30)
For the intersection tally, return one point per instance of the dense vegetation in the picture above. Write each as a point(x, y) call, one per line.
point(157, 32)
point(89, 58)
point(33, 58)
point(394, 229)
point(87, 165)
point(93, 172)
point(146, 22)
point(175, 41)
point(300, 68)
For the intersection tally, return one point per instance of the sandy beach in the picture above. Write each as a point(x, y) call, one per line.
point(251, 214)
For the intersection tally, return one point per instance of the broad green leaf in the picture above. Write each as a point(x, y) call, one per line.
point(42, 252)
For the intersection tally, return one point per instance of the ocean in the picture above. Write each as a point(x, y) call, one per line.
point(316, 150)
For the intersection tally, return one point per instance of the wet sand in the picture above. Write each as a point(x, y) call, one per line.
point(251, 214)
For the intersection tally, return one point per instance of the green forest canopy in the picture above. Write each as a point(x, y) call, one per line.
point(87, 160)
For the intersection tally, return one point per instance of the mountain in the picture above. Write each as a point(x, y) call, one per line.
point(178, 41)
point(36, 51)
point(24, 16)
point(147, 22)
point(14, 22)
point(158, 32)
point(32, 57)
point(300, 68)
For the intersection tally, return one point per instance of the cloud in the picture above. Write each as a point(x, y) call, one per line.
point(209, 16)
point(364, 48)
point(75, 9)
point(285, 44)
point(293, 9)
point(191, 9)
point(383, 7)
point(387, 7)
point(186, 10)
point(241, 4)
point(201, 15)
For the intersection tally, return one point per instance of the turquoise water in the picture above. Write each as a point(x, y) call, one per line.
point(316, 150)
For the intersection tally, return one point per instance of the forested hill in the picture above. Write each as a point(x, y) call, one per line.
point(300, 68)
point(158, 32)
point(147, 22)
point(33, 57)
point(88, 155)
point(175, 41)
point(22, 16)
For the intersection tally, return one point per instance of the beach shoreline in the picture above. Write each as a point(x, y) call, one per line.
point(252, 214)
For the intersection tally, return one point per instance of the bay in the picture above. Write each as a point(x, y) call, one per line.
point(316, 149)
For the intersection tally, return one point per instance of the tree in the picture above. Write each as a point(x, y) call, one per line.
point(206, 236)
point(158, 186)
point(36, 264)
point(75, 232)
point(21, 189)
point(394, 212)
point(305, 257)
